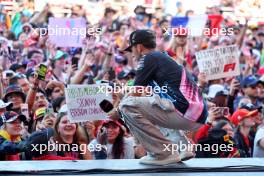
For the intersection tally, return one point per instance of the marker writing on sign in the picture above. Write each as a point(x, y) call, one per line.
point(86, 102)
point(83, 112)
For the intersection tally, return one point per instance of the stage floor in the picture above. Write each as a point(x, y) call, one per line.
point(206, 167)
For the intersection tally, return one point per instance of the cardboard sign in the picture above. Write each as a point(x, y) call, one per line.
point(83, 102)
point(219, 63)
point(67, 32)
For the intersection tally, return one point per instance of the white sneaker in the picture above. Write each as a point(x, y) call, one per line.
point(150, 160)
point(186, 155)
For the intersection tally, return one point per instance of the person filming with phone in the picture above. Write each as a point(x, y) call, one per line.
point(114, 144)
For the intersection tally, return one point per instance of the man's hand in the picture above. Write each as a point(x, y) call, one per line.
point(114, 114)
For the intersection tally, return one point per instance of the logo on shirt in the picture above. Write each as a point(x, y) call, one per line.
point(140, 65)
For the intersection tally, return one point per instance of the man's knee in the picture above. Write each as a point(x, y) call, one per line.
point(130, 106)
point(129, 102)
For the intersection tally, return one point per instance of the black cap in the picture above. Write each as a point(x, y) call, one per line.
point(109, 10)
point(14, 89)
point(143, 36)
point(140, 10)
point(17, 66)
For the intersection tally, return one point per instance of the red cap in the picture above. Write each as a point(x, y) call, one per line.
point(180, 31)
point(261, 71)
point(241, 114)
point(114, 121)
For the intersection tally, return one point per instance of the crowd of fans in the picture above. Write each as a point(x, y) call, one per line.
point(34, 111)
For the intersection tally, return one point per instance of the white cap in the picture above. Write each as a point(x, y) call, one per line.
point(3, 104)
point(215, 88)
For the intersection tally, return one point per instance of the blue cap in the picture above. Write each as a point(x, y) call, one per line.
point(250, 81)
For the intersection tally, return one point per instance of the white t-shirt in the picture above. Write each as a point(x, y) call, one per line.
point(128, 149)
point(258, 150)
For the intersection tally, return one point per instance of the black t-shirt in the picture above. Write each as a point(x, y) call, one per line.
point(181, 88)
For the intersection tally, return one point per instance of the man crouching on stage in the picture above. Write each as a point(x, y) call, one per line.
point(181, 107)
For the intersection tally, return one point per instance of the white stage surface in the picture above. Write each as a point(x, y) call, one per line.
point(203, 167)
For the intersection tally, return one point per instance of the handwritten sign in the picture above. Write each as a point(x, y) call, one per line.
point(219, 63)
point(83, 102)
point(67, 32)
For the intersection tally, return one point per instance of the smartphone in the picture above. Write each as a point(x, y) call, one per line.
point(239, 78)
point(75, 61)
point(24, 110)
point(224, 111)
point(42, 71)
point(106, 106)
point(103, 130)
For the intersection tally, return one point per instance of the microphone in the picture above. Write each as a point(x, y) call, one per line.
point(106, 106)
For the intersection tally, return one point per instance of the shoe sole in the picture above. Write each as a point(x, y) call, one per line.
point(187, 158)
point(160, 164)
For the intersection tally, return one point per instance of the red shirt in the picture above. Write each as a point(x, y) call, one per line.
point(202, 132)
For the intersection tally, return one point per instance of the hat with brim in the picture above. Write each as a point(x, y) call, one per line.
point(111, 121)
point(11, 116)
point(59, 54)
point(40, 113)
point(109, 10)
point(261, 80)
point(16, 66)
point(216, 90)
point(142, 36)
point(251, 107)
point(13, 89)
point(5, 105)
point(242, 114)
point(250, 81)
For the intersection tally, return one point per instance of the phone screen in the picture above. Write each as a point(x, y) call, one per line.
point(75, 61)
point(42, 72)
point(24, 110)
point(224, 111)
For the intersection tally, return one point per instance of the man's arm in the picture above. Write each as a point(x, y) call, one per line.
point(145, 72)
